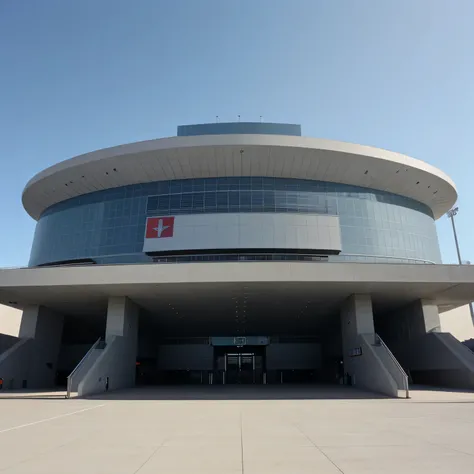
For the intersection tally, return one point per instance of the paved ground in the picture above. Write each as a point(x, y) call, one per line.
point(246, 430)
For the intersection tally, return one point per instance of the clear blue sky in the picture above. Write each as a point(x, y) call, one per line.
point(76, 76)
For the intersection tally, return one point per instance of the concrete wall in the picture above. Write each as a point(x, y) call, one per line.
point(45, 327)
point(442, 360)
point(147, 343)
point(86, 365)
point(428, 355)
point(362, 361)
point(6, 342)
point(402, 330)
point(14, 364)
point(356, 318)
point(368, 370)
point(392, 366)
point(70, 355)
point(293, 356)
point(34, 358)
point(95, 380)
point(117, 362)
point(185, 357)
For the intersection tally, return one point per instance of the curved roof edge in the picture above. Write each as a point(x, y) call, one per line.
point(240, 155)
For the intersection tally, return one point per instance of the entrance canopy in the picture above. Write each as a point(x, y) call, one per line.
point(216, 298)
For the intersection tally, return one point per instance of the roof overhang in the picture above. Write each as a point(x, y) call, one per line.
point(240, 155)
point(161, 287)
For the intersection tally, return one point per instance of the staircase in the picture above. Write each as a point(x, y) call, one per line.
point(393, 366)
point(83, 367)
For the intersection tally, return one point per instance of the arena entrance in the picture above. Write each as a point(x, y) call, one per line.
point(249, 360)
point(240, 365)
point(240, 368)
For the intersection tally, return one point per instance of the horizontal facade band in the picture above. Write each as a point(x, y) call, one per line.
point(240, 155)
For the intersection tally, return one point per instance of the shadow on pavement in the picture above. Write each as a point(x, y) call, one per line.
point(430, 388)
point(239, 392)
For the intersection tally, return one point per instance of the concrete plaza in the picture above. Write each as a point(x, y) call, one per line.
point(250, 430)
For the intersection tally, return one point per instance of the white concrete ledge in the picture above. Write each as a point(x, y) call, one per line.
point(220, 155)
point(449, 285)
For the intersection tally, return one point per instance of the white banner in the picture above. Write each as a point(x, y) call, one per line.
point(241, 231)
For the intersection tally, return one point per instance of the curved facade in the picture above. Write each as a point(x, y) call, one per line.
point(250, 191)
point(109, 226)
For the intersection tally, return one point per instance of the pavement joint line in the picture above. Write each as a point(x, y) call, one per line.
point(51, 419)
point(161, 445)
point(447, 447)
point(42, 453)
point(433, 443)
point(319, 449)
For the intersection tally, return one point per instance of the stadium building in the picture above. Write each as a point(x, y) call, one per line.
point(236, 253)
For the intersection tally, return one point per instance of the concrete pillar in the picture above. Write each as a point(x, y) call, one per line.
point(356, 319)
point(423, 318)
point(115, 368)
point(122, 318)
point(122, 330)
point(368, 364)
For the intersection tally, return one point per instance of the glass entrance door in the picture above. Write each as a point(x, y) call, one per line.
point(240, 368)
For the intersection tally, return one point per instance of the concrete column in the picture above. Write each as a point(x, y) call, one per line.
point(122, 318)
point(122, 331)
point(423, 318)
point(115, 368)
point(364, 361)
point(356, 318)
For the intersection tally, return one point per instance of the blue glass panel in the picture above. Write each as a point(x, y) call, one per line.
point(109, 225)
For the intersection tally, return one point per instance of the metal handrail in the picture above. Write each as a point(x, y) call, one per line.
point(79, 365)
point(379, 341)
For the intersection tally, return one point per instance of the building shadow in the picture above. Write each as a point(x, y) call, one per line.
point(239, 392)
point(432, 388)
